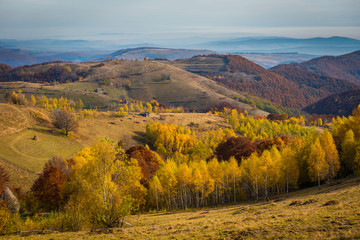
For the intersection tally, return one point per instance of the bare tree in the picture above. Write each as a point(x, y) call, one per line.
point(64, 119)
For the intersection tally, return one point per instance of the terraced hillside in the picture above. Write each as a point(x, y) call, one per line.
point(240, 74)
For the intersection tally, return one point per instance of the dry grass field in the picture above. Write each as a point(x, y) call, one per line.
point(331, 213)
point(132, 127)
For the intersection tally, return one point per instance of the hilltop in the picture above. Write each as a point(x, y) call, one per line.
point(138, 80)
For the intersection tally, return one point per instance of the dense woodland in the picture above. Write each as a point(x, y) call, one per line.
point(340, 104)
point(253, 159)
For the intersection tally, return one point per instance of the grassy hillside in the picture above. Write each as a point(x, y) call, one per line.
point(14, 118)
point(139, 80)
point(331, 213)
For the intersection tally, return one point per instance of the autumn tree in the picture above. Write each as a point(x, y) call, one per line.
point(357, 160)
point(48, 188)
point(318, 167)
point(105, 184)
point(348, 150)
point(155, 191)
point(65, 120)
point(146, 160)
point(331, 153)
point(290, 167)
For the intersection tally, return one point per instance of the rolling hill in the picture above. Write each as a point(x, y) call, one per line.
point(343, 67)
point(15, 59)
point(341, 104)
point(240, 74)
point(138, 80)
point(314, 86)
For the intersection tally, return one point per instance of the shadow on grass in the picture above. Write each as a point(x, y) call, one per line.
point(139, 137)
point(52, 131)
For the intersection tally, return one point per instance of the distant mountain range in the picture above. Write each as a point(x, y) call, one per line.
point(315, 46)
point(157, 53)
point(266, 51)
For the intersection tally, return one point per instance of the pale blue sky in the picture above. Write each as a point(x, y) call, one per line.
point(75, 19)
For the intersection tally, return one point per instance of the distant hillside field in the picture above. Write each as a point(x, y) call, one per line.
point(138, 80)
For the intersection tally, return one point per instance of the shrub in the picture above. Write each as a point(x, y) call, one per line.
point(9, 223)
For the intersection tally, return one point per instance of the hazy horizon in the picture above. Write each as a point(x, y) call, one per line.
point(160, 20)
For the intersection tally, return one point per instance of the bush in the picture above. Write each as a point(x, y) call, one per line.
point(9, 223)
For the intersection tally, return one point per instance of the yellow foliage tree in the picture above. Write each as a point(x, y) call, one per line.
point(318, 167)
point(331, 153)
point(104, 184)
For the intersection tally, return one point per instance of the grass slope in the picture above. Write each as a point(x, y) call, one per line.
point(14, 118)
point(20, 149)
point(139, 80)
point(264, 220)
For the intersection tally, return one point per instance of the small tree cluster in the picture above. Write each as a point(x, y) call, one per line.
point(65, 120)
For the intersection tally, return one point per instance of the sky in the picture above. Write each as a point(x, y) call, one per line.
point(158, 19)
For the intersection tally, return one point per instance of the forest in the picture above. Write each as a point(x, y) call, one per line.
point(253, 159)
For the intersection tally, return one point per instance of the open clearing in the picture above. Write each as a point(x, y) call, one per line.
point(309, 219)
